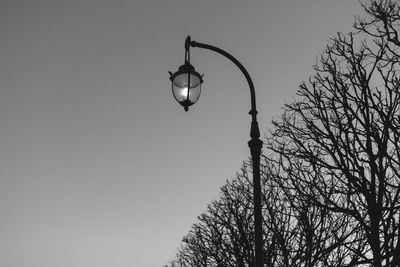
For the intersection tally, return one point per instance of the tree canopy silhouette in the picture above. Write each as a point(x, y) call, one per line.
point(331, 168)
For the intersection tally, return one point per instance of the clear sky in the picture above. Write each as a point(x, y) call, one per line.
point(99, 166)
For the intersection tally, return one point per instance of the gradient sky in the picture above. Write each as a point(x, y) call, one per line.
point(99, 166)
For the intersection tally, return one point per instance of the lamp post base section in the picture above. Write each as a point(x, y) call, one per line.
point(255, 145)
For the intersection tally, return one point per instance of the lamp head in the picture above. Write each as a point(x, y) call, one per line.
point(186, 85)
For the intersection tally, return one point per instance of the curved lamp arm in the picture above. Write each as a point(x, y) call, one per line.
point(254, 132)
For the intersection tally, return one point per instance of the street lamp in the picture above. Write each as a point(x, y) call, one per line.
point(186, 88)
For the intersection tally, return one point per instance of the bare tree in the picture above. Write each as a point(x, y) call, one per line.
point(223, 235)
point(307, 234)
point(296, 233)
point(339, 141)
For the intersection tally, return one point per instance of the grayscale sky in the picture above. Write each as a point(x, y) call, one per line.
point(99, 166)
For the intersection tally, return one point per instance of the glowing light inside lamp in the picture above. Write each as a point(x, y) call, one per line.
point(184, 92)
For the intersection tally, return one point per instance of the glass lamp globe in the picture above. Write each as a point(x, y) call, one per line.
point(186, 85)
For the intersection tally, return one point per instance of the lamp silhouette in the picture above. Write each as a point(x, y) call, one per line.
point(186, 88)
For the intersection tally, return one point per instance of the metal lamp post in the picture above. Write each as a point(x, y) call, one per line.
point(186, 88)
